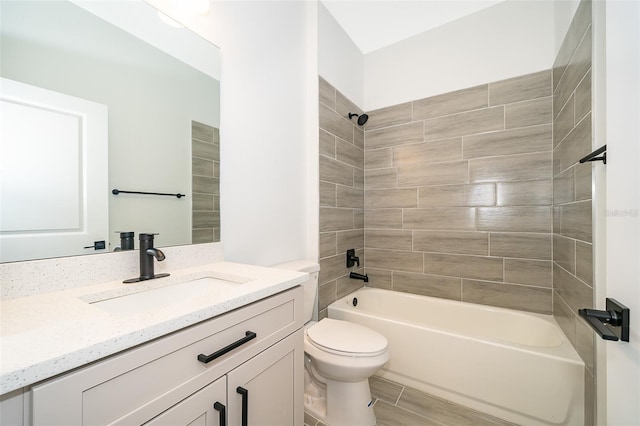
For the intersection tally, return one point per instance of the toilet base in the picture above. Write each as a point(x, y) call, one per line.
point(343, 404)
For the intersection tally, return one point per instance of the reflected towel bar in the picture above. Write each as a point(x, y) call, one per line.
point(594, 155)
point(119, 191)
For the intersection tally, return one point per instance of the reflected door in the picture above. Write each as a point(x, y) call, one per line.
point(53, 173)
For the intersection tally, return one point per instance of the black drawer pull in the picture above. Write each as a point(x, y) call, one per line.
point(245, 404)
point(222, 409)
point(249, 335)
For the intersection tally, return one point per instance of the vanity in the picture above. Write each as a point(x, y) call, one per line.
point(212, 344)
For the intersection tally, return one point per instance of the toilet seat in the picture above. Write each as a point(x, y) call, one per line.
point(346, 338)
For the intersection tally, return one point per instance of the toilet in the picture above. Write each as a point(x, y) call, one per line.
point(340, 356)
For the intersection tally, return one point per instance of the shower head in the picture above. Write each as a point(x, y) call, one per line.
point(362, 118)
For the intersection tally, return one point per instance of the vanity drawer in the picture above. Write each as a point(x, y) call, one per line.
point(153, 376)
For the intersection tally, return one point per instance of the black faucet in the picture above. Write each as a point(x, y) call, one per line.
point(147, 253)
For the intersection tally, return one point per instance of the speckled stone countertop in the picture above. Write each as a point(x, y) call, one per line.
point(43, 335)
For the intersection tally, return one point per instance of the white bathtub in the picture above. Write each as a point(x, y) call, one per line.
point(514, 365)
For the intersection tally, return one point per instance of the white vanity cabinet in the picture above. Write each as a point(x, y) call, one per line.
point(257, 348)
point(199, 409)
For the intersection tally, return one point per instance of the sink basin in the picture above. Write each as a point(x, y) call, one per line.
point(160, 297)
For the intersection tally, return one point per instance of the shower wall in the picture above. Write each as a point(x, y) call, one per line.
point(205, 183)
point(572, 197)
point(341, 195)
point(458, 195)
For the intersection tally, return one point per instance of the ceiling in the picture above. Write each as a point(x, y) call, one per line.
point(376, 24)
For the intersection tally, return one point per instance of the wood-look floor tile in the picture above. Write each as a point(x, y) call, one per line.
point(384, 389)
point(443, 411)
point(390, 415)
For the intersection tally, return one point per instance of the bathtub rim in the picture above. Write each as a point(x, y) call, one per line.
point(564, 350)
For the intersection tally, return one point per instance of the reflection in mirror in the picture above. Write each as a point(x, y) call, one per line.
point(161, 114)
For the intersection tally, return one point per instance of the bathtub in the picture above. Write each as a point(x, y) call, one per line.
point(514, 365)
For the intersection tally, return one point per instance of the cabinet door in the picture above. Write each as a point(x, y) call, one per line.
point(272, 383)
point(203, 408)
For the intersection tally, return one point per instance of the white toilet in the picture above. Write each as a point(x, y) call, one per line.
point(340, 356)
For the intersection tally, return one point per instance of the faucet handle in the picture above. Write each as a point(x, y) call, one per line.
point(352, 258)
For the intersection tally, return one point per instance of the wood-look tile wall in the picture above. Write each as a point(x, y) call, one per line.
point(341, 195)
point(458, 195)
point(205, 185)
point(572, 224)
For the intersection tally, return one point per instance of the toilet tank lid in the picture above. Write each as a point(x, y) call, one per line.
point(300, 266)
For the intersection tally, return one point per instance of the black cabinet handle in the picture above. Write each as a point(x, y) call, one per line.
point(245, 404)
point(249, 335)
point(223, 416)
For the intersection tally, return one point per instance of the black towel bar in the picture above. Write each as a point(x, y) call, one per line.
point(119, 191)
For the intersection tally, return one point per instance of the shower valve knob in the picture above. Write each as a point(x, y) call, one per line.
point(352, 259)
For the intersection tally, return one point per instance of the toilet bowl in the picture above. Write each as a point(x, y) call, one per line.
point(339, 359)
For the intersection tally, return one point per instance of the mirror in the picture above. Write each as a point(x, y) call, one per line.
point(160, 86)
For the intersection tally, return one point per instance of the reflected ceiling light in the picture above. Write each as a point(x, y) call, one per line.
point(164, 18)
point(201, 7)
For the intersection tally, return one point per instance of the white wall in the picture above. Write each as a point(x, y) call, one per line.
point(506, 40)
point(340, 62)
point(267, 111)
point(622, 106)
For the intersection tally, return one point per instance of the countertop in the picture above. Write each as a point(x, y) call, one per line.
point(48, 334)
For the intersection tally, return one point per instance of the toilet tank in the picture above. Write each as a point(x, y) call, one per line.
point(310, 286)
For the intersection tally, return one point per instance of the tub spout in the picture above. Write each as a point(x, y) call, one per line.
point(357, 276)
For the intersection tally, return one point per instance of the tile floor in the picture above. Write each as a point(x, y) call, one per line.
point(397, 405)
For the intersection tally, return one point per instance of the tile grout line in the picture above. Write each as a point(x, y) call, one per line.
point(399, 396)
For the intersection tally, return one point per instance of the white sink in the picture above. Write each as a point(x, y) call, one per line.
point(160, 297)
